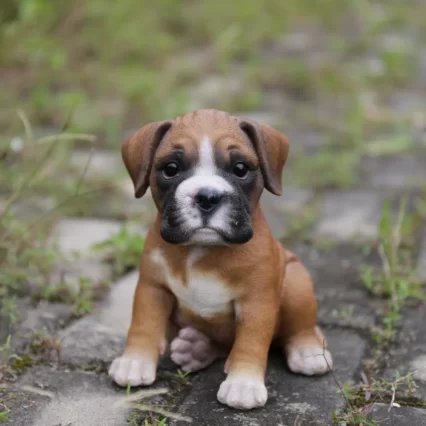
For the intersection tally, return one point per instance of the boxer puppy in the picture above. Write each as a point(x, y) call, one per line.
point(213, 281)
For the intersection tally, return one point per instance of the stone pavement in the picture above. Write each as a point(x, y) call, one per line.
point(63, 382)
point(74, 389)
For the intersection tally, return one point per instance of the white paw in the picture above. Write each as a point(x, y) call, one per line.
point(309, 360)
point(192, 350)
point(243, 392)
point(132, 370)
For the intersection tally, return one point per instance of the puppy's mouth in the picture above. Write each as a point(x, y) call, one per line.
point(207, 235)
point(227, 225)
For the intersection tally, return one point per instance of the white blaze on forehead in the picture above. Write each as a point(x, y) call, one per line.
point(206, 164)
point(205, 175)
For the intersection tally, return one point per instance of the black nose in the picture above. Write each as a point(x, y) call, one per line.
point(207, 199)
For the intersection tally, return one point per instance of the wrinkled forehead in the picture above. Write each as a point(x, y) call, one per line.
point(198, 143)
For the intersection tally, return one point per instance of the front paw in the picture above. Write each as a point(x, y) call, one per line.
point(133, 370)
point(243, 392)
point(310, 360)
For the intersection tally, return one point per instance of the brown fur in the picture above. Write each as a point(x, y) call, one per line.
point(273, 290)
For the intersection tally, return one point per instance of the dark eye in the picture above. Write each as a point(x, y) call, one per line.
point(240, 170)
point(170, 170)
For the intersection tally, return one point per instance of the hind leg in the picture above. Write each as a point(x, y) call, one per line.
point(301, 339)
point(193, 350)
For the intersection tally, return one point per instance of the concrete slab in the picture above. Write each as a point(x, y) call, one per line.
point(292, 398)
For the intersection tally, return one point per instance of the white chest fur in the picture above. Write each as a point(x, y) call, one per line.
point(204, 294)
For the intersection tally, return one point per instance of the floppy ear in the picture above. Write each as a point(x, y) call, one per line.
point(138, 153)
point(271, 147)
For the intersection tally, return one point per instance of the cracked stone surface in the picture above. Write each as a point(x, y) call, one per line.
point(42, 317)
point(292, 398)
point(398, 416)
point(349, 215)
point(346, 312)
point(48, 395)
point(101, 336)
point(409, 356)
point(96, 339)
point(45, 396)
point(342, 299)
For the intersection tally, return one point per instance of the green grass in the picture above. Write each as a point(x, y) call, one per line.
point(183, 376)
point(4, 416)
point(359, 396)
point(146, 414)
point(126, 246)
point(25, 261)
point(11, 363)
point(133, 420)
point(33, 174)
point(396, 280)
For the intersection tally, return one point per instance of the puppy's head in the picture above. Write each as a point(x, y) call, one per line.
point(206, 171)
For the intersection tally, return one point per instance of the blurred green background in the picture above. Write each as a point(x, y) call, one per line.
point(116, 65)
point(343, 79)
